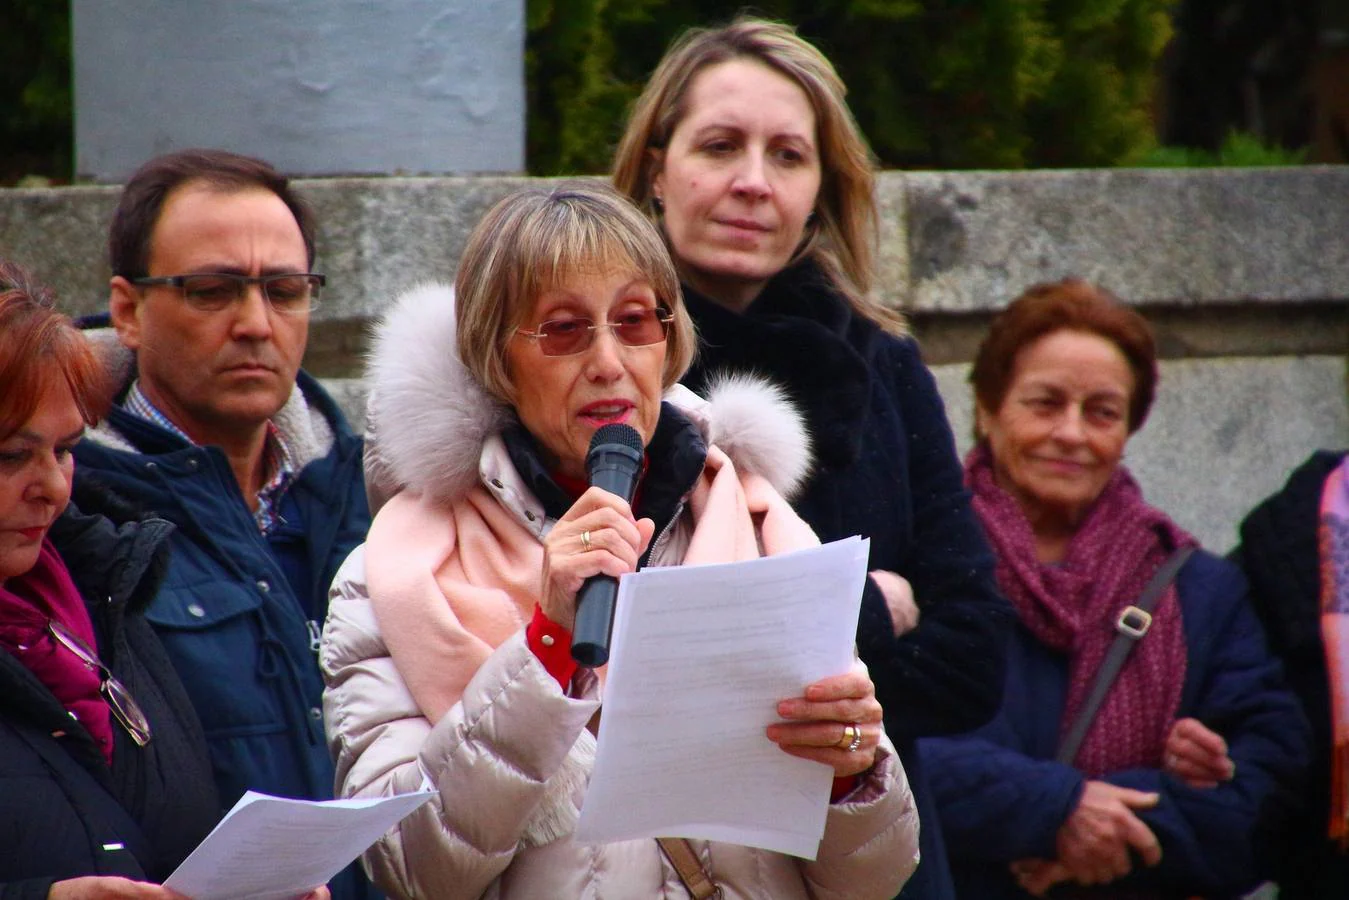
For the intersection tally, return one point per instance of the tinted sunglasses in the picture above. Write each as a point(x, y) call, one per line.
point(634, 328)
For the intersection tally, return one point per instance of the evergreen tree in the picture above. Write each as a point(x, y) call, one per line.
point(933, 83)
point(35, 97)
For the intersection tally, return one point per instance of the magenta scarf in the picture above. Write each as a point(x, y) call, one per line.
point(26, 603)
point(1333, 535)
point(1072, 606)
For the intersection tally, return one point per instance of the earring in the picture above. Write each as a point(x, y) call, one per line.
point(813, 219)
point(658, 205)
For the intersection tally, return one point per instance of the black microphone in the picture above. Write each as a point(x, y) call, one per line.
point(613, 462)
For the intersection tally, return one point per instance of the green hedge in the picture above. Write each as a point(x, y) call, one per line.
point(36, 134)
point(1237, 149)
point(948, 84)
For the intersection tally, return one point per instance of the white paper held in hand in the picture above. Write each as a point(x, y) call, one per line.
point(274, 848)
point(700, 658)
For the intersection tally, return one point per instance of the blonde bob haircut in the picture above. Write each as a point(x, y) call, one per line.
point(538, 238)
point(842, 234)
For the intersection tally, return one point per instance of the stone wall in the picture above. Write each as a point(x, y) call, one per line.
point(1244, 273)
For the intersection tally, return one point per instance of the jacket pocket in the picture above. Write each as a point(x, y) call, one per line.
point(234, 671)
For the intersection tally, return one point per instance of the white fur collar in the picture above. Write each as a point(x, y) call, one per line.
point(428, 416)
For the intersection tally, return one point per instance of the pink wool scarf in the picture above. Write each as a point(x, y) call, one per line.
point(450, 581)
point(1072, 606)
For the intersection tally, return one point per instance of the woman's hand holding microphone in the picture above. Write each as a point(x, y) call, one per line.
point(838, 719)
point(597, 536)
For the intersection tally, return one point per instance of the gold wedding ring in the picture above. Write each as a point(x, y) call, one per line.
point(585, 541)
point(852, 738)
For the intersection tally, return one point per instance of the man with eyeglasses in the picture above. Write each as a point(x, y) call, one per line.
point(217, 429)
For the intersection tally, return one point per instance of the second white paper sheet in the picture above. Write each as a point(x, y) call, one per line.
point(700, 658)
point(275, 848)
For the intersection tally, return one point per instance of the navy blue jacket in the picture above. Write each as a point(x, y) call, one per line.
point(63, 809)
point(886, 468)
point(1002, 797)
point(243, 640)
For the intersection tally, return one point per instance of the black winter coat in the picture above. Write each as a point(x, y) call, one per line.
point(1279, 554)
point(63, 811)
point(886, 468)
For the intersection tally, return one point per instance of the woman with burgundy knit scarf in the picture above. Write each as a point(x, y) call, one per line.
point(104, 780)
point(1190, 759)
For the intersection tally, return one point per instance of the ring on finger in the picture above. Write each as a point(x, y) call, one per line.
point(585, 541)
point(851, 739)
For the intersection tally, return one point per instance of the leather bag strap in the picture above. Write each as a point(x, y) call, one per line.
point(1133, 623)
point(685, 860)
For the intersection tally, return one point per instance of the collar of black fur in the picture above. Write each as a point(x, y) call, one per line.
point(802, 334)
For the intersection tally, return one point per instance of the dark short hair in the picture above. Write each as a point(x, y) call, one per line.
point(41, 344)
point(143, 199)
point(1068, 305)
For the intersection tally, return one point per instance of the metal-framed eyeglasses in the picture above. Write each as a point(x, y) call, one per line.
point(288, 293)
point(123, 706)
point(632, 327)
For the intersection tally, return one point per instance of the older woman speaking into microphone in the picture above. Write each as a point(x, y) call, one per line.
point(447, 648)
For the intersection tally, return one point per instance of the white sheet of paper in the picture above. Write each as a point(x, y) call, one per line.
point(272, 848)
point(699, 659)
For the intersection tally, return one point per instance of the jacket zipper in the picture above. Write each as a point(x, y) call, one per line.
point(664, 537)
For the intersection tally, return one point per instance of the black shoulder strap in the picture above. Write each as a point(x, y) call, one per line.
point(1133, 623)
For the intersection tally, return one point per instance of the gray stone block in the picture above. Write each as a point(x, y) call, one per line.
point(350, 394)
point(1180, 237)
point(61, 235)
point(381, 236)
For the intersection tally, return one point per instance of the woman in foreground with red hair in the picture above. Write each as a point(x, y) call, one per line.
point(104, 781)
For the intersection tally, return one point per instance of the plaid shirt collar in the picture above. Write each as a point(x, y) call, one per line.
point(278, 458)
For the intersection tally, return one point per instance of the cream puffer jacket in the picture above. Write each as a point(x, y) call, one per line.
point(431, 683)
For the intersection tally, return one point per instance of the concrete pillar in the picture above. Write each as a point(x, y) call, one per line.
point(316, 87)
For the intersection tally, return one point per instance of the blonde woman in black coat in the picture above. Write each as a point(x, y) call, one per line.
point(743, 150)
